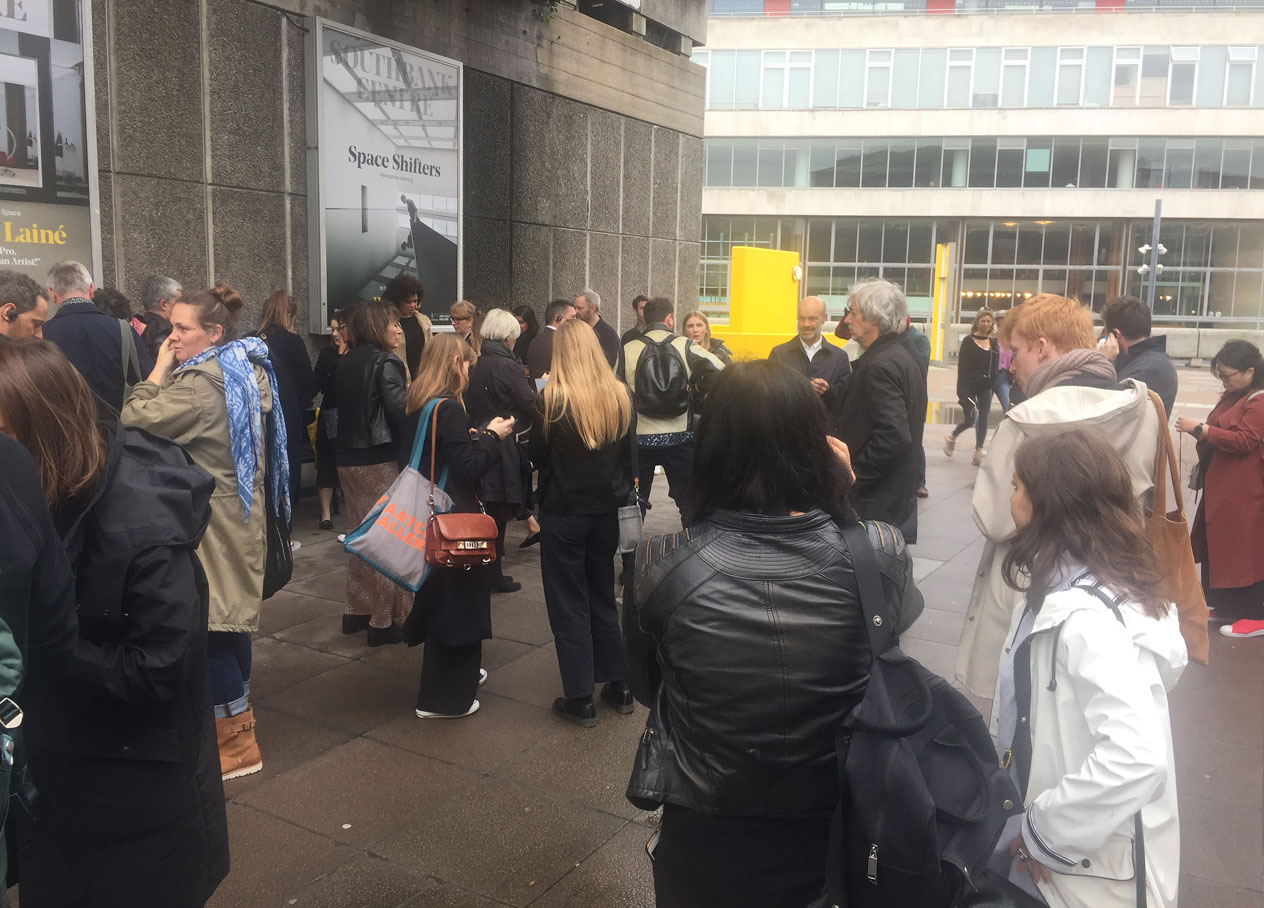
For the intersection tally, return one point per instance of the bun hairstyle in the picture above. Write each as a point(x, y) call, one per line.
point(221, 305)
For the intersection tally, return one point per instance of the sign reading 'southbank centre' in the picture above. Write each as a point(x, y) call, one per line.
point(384, 170)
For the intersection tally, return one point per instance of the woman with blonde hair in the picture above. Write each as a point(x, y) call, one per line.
point(451, 612)
point(296, 380)
point(465, 318)
point(698, 329)
point(582, 445)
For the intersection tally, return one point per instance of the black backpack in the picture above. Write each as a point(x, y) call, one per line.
point(662, 381)
point(923, 799)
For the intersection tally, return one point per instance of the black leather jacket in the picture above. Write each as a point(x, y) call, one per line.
point(371, 392)
point(747, 640)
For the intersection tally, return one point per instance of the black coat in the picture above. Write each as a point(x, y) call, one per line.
point(131, 807)
point(454, 606)
point(498, 387)
point(372, 394)
point(93, 342)
point(296, 383)
point(976, 368)
point(575, 479)
point(881, 415)
point(540, 355)
point(830, 363)
point(1147, 361)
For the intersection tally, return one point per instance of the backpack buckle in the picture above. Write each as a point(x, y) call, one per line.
point(10, 714)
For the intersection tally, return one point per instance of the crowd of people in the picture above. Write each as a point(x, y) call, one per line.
point(145, 457)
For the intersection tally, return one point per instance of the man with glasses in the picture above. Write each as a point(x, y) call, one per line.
point(406, 292)
point(1126, 339)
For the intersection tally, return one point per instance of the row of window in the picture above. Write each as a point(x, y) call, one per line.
point(856, 7)
point(991, 163)
point(1211, 270)
point(985, 77)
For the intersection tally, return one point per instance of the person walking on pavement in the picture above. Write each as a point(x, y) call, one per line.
point(1230, 520)
point(881, 413)
point(216, 396)
point(127, 742)
point(582, 445)
point(976, 375)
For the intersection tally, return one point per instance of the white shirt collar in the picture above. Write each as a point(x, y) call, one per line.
point(812, 350)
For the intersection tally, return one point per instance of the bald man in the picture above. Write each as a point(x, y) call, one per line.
point(824, 365)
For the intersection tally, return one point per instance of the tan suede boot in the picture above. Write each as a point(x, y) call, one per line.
point(238, 751)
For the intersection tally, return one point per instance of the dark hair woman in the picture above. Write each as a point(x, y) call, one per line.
point(327, 418)
point(581, 445)
point(758, 600)
point(528, 327)
point(213, 395)
point(126, 742)
point(1230, 518)
point(371, 389)
point(977, 364)
point(451, 613)
point(1088, 738)
point(296, 383)
point(499, 387)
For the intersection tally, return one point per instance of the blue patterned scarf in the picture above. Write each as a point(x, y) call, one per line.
point(245, 424)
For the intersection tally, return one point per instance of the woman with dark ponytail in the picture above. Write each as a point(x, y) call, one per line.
point(1230, 519)
point(213, 394)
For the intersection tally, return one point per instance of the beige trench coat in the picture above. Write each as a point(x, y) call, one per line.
point(402, 350)
point(190, 409)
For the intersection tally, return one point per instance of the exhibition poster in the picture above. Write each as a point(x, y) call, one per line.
point(46, 160)
point(385, 170)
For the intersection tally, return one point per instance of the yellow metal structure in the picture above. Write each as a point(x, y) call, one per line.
point(763, 301)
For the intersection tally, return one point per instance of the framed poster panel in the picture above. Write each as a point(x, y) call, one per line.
point(49, 208)
point(384, 170)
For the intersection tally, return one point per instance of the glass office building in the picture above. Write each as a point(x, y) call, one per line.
point(860, 135)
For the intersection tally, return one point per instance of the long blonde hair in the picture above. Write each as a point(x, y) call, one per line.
point(705, 344)
point(582, 384)
point(438, 373)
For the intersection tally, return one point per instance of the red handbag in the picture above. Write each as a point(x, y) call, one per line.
point(457, 540)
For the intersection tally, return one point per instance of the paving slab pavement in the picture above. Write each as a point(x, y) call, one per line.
point(362, 804)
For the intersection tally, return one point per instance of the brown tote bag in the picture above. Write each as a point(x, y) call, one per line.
point(1169, 535)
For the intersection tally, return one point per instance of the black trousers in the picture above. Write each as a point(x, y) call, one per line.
point(677, 463)
point(577, 568)
point(449, 677)
point(975, 412)
point(502, 513)
point(705, 861)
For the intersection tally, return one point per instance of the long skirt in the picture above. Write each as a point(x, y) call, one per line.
point(368, 592)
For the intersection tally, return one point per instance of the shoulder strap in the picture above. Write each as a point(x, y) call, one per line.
point(131, 363)
point(869, 582)
point(1165, 463)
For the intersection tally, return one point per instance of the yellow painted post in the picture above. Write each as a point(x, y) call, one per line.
point(763, 300)
point(938, 305)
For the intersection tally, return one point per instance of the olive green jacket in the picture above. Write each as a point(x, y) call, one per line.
point(189, 408)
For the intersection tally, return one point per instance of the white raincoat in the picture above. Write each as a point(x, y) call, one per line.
point(1102, 750)
point(1130, 423)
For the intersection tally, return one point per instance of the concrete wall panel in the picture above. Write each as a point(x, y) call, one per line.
point(603, 272)
point(488, 254)
point(162, 230)
point(532, 265)
point(250, 245)
point(550, 163)
point(248, 142)
point(570, 263)
point(605, 170)
point(488, 143)
point(666, 180)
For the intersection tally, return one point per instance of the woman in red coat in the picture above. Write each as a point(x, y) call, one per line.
point(1230, 520)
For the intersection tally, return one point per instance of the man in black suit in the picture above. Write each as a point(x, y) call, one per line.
point(824, 365)
point(540, 353)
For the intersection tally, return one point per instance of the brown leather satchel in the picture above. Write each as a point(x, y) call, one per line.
point(457, 540)
point(1168, 532)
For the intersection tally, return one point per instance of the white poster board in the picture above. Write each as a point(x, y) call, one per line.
point(384, 170)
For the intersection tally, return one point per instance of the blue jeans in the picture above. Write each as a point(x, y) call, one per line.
point(1002, 390)
point(228, 657)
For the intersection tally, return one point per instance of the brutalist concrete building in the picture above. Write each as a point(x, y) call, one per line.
point(577, 127)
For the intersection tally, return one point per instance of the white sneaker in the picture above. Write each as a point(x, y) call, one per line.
point(950, 444)
point(422, 714)
point(482, 677)
point(295, 545)
point(342, 537)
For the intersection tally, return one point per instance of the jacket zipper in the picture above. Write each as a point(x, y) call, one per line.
point(872, 869)
point(646, 738)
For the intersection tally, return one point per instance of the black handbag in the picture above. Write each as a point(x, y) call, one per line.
point(278, 560)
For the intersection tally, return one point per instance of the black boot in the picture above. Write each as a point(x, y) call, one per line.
point(579, 710)
point(381, 636)
point(353, 624)
point(500, 583)
point(617, 696)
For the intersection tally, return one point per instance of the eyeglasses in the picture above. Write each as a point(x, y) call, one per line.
point(1225, 376)
point(335, 328)
point(462, 318)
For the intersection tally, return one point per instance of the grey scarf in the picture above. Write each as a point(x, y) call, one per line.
point(1067, 368)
